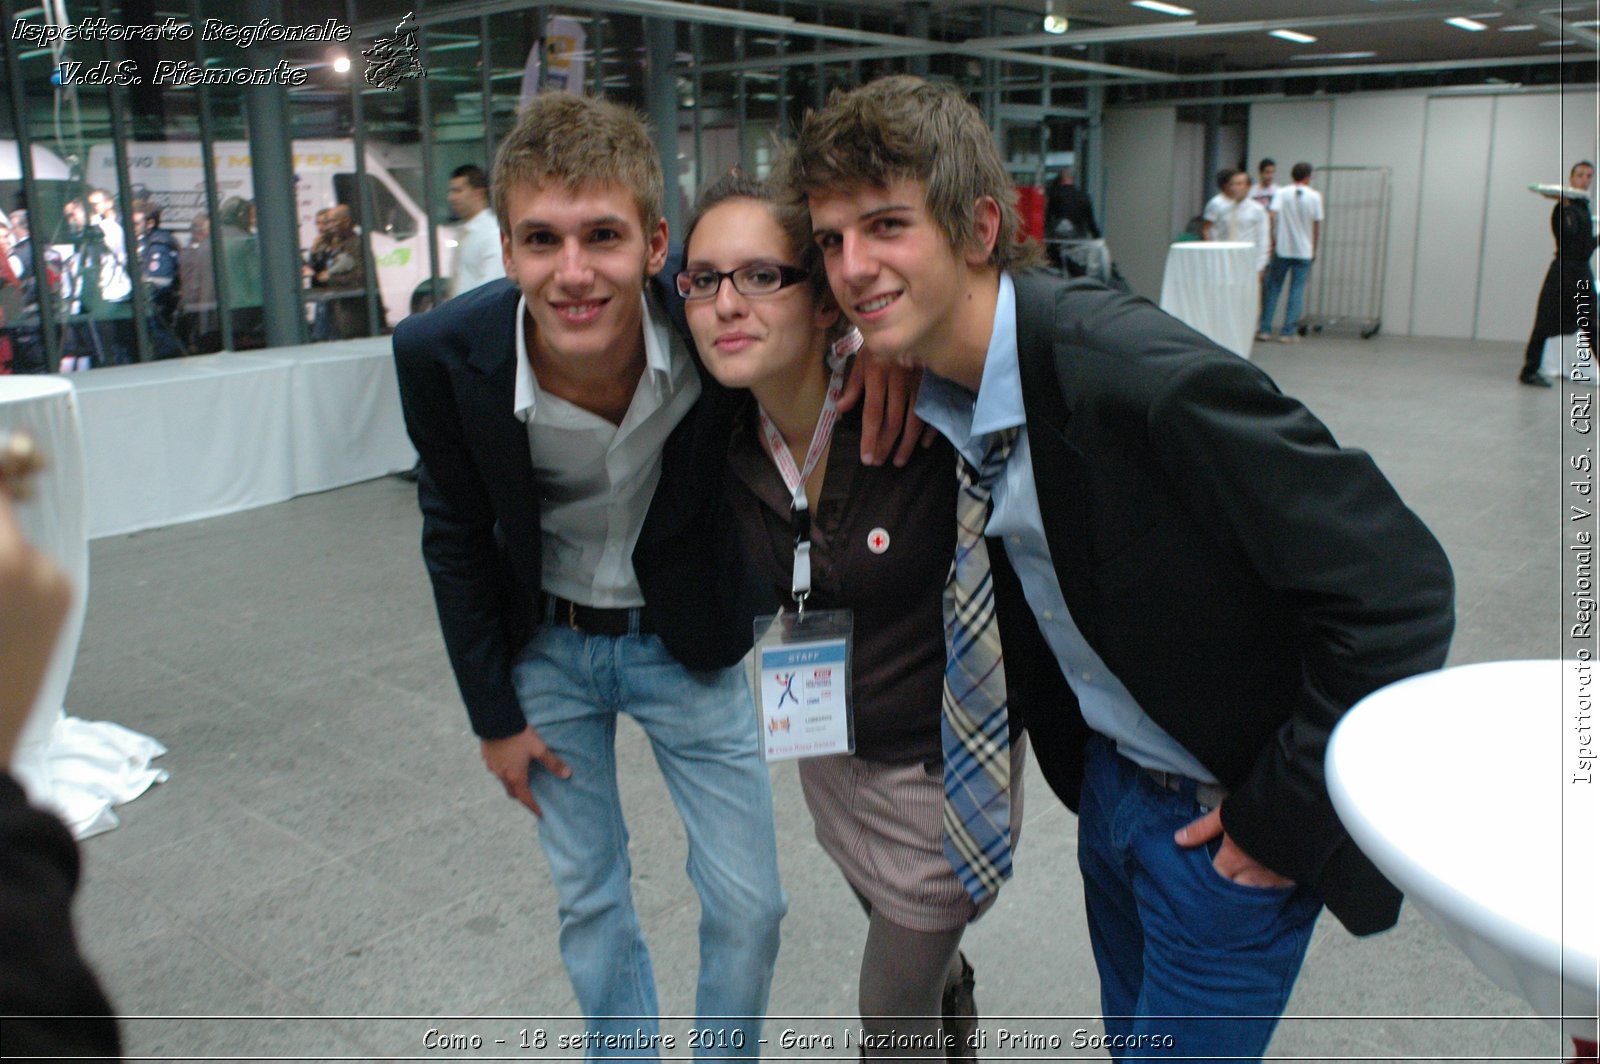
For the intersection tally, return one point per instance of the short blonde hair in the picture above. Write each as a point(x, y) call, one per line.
point(902, 127)
point(578, 142)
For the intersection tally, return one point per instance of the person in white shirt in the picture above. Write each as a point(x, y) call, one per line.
point(477, 260)
point(1232, 215)
point(1297, 228)
point(1262, 191)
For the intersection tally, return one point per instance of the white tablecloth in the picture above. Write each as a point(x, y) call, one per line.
point(1210, 285)
point(185, 439)
point(345, 413)
point(79, 768)
point(1461, 786)
point(199, 437)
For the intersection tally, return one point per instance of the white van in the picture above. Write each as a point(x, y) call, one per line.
point(172, 174)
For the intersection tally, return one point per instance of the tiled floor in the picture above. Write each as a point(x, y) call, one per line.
point(329, 844)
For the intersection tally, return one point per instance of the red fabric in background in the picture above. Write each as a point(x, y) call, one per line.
point(1030, 204)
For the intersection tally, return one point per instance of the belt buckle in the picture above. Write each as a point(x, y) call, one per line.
point(572, 616)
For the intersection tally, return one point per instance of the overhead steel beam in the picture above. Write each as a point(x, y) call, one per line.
point(1190, 28)
point(1377, 68)
point(884, 44)
point(1537, 14)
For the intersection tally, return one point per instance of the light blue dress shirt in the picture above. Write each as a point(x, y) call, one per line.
point(967, 421)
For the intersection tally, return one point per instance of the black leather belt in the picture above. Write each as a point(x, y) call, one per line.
point(1209, 795)
point(594, 620)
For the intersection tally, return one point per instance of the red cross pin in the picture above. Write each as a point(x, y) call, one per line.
point(878, 540)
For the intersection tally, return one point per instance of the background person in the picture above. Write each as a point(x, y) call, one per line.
point(1297, 229)
point(477, 260)
point(1232, 215)
point(1569, 282)
point(199, 326)
point(1069, 215)
point(1266, 185)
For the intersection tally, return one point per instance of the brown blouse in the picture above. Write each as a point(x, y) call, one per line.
point(895, 596)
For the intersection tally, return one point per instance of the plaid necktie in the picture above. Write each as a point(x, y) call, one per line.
point(975, 731)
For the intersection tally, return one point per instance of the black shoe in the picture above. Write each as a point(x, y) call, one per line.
point(1535, 380)
point(960, 1016)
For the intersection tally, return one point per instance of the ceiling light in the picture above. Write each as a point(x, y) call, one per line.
point(1314, 56)
point(1165, 9)
point(1471, 25)
point(1292, 35)
point(1054, 21)
point(1521, 27)
point(1587, 22)
point(341, 64)
point(1565, 42)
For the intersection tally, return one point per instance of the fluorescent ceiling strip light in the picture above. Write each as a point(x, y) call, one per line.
point(1470, 25)
point(1292, 35)
point(1165, 9)
point(1315, 56)
point(1521, 27)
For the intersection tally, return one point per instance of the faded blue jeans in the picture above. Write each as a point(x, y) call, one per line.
point(702, 729)
point(1299, 272)
point(1192, 965)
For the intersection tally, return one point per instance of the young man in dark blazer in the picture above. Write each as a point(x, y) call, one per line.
point(1185, 563)
point(572, 529)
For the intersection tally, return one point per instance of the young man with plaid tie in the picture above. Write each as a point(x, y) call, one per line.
point(1211, 580)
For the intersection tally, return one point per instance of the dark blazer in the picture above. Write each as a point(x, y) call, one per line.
point(1244, 576)
point(479, 494)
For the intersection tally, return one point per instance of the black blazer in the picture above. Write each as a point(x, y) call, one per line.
point(481, 538)
point(1244, 576)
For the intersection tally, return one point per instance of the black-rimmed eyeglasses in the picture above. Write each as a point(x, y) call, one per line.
point(759, 279)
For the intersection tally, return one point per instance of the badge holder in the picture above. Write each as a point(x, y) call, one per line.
point(801, 680)
point(801, 663)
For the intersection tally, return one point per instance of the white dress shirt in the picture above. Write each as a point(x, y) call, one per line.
point(1242, 220)
point(967, 421)
point(597, 479)
point(478, 259)
point(1297, 207)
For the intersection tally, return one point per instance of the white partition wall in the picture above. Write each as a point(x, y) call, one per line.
point(1536, 139)
point(1468, 244)
point(1455, 175)
point(1387, 131)
point(1139, 145)
point(1291, 132)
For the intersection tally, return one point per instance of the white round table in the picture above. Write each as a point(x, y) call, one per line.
point(78, 768)
point(1211, 286)
point(1467, 788)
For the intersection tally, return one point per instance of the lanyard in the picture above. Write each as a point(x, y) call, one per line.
point(795, 478)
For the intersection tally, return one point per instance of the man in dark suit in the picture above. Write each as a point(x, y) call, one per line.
point(1185, 563)
point(571, 587)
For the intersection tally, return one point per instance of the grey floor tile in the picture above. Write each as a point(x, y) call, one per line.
point(454, 962)
point(487, 846)
point(289, 657)
point(177, 974)
point(238, 858)
point(291, 927)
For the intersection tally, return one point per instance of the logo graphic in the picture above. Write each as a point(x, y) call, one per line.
point(393, 60)
point(777, 724)
point(786, 681)
point(878, 540)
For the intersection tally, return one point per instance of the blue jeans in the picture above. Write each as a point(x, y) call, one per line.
point(1172, 938)
point(702, 729)
point(1299, 272)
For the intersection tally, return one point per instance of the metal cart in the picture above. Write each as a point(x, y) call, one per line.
point(1346, 289)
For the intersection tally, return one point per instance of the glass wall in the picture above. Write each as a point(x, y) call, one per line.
point(192, 184)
